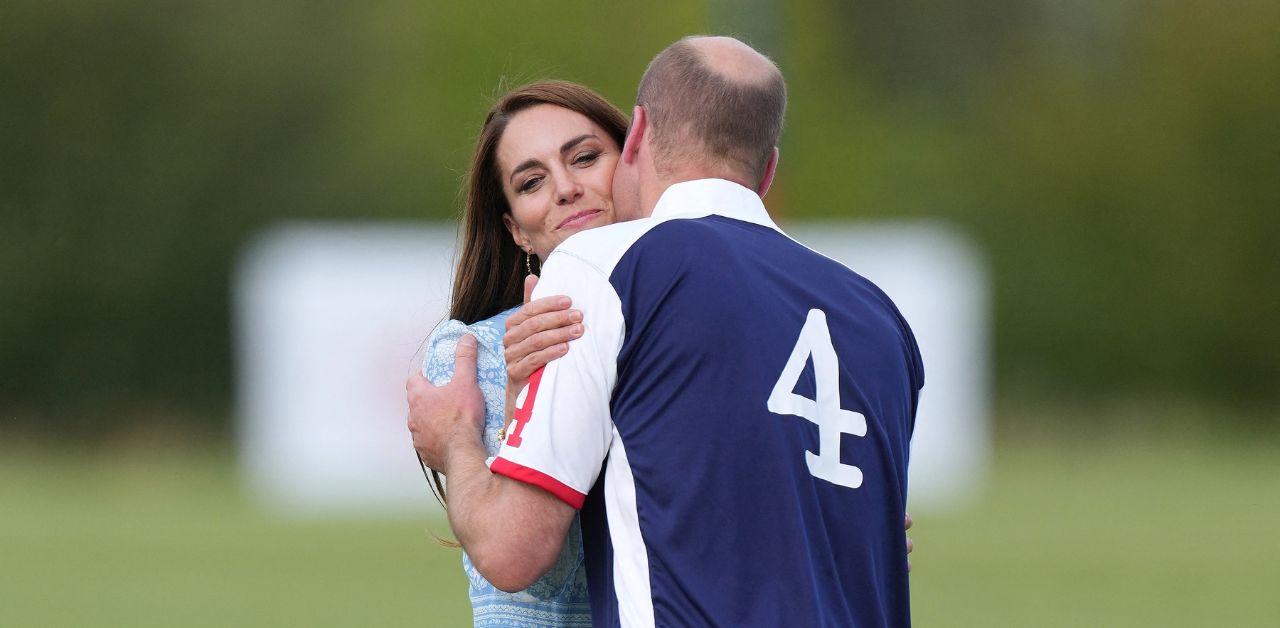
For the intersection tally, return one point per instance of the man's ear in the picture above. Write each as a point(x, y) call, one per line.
point(635, 135)
point(516, 234)
point(770, 169)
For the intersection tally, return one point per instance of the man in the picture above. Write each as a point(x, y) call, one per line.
point(734, 423)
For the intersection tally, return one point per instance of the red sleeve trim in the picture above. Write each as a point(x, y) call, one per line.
point(539, 479)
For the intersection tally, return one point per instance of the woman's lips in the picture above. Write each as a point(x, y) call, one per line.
point(578, 219)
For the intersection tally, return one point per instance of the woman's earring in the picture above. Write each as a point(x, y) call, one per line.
point(527, 266)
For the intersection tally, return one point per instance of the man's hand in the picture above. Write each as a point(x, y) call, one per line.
point(537, 333)
point(448, 417)
point(911, 546)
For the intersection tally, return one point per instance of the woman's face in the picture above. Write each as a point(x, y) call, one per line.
point(556, 167)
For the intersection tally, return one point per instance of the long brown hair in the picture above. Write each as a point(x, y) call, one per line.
point(491, 268)
point(490, 273)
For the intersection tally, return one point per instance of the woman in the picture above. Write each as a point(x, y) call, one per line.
point(542, 171)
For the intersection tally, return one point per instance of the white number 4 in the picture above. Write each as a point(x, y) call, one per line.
point(825, 411)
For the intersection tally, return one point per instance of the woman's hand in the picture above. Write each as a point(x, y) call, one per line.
point(537, 333)
point(911, 546)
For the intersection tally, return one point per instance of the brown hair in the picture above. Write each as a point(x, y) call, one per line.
point(491, 268)
point(696, 112)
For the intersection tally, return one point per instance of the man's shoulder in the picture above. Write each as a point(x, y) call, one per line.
point(602, 247)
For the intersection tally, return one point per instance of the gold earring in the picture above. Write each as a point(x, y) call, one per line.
point(527, 266)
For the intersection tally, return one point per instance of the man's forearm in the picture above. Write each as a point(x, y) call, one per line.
point(513, 532)
point(470, 493)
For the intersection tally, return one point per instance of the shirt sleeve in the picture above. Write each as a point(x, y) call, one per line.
point(562, 427)
point(491, 368)
point(437, 361)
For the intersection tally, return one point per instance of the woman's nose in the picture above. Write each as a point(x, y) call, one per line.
point(568, 191)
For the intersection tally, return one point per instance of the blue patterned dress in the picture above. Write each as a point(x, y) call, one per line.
point(559, 598)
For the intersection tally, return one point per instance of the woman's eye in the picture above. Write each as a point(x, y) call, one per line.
point(529, 184)
point(586, 158)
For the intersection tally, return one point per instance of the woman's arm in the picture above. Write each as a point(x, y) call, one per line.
point(536, 334)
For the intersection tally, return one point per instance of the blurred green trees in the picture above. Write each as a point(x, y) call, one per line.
point(1116, 161)
point(1119, 163)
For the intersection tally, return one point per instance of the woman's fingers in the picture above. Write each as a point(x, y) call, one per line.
point(530, 282)
point(537, 324)
point(532, 310)
point(911, 545)
point(521, 371)
point(518, 355)
point(538, 333)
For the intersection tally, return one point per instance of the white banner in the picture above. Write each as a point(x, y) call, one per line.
point(329, 317)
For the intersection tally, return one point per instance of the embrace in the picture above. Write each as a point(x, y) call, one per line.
point(717, 432)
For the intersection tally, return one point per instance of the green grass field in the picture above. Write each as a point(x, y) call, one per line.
point(1170, 533)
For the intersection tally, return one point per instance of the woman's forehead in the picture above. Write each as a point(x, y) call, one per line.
point(539, 132)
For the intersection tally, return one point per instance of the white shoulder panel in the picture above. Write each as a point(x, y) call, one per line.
point(603, 247)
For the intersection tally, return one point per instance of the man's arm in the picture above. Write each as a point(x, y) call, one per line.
point(512, 531)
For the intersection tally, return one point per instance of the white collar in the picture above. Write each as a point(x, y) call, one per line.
point(703, 197)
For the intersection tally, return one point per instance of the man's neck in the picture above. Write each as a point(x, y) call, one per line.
point(650, 194)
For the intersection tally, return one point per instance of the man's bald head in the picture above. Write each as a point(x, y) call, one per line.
point(713, 101)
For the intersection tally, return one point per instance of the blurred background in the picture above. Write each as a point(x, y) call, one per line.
point(1117, 164)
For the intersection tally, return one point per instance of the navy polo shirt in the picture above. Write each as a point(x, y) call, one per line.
point(734, 423)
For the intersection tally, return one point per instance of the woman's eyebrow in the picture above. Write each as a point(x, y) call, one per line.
point(525, 165)
point(568, 146)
